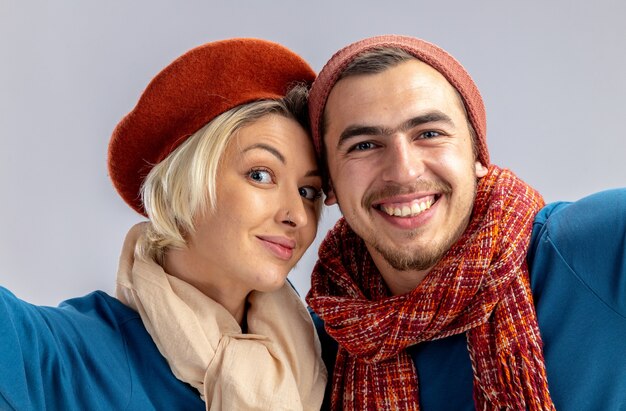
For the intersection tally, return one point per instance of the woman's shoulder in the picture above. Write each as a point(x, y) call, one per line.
point(94, 339)
point(45, 347)
point(99, 306)
point(96, 309)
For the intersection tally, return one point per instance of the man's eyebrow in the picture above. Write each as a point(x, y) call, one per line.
point(266, 147)
point(359, 130)
point(431, 117)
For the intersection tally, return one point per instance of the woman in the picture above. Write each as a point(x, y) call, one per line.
point(216, 156)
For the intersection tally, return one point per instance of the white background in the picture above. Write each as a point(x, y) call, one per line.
point(551, 73)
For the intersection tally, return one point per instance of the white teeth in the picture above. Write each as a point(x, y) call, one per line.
point(406, 211)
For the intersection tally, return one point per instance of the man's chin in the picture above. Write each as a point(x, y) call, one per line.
point(410, 260)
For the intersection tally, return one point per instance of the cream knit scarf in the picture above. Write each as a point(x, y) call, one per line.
point(275, 366)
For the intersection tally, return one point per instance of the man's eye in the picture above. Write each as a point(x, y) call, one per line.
point(310, 193)
point(430, 134)
point(362, 146)
point(260, 176)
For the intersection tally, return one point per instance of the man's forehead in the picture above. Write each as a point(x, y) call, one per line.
point(466, 94)
point(411, 77)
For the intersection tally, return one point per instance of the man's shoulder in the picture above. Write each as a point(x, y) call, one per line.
point(577, 264)
point(595, 208)
point(596, 221)
point(585, 240)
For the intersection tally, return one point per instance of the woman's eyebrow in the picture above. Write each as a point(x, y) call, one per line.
point(262, 146)
point(266, 147)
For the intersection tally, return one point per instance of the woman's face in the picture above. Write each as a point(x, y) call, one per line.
point(268, 188)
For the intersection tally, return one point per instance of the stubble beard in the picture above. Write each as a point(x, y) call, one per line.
point(410, 258)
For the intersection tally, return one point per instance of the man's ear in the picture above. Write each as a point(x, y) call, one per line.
point(481, 170)
point(330, 195)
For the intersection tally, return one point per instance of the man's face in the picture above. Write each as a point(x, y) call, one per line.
point(401, 163)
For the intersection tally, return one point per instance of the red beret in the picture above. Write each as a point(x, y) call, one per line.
point(430, 54)
point(190, 92)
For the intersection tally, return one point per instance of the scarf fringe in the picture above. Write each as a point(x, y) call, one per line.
point(521, 381)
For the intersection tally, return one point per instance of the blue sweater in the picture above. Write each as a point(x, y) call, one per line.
point(577, 261)
point(90, 353)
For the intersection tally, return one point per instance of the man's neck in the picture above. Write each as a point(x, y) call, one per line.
point(399, 282)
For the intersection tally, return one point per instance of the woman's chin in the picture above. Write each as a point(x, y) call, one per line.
point(273, 284)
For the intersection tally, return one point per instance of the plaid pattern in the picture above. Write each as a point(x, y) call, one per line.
point(480, 286)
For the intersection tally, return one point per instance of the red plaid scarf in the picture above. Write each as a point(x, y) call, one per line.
point(480, 286)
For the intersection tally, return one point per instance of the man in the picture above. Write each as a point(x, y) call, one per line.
point(448, 284)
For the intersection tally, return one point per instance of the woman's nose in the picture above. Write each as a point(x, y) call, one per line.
point(293, 212)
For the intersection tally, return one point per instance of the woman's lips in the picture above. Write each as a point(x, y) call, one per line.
point(281, 247)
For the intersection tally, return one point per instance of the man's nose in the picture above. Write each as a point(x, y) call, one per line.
point(403, 161)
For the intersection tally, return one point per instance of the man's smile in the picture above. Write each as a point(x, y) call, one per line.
point(407, 209)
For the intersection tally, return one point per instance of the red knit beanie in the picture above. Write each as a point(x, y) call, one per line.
point(428, 53)
point(190, 92)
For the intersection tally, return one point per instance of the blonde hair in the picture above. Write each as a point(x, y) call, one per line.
point(184, 183)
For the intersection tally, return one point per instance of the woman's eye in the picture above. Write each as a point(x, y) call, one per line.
point(310, 193)
point(260, 176)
